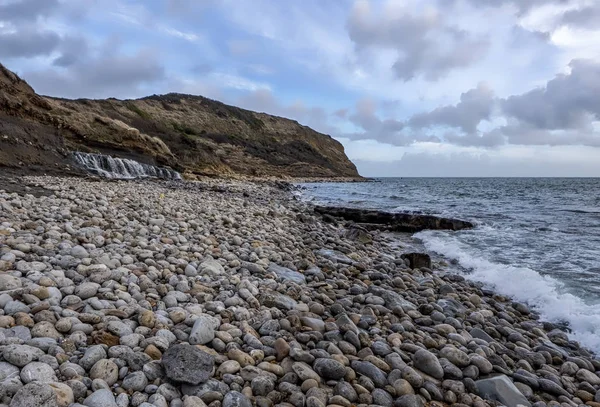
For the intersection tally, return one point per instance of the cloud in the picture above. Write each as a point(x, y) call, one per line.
point(26, 33)
point(586, 17)
point(561, 112)
point(27, 10)
point(569, 101)
point(72, 49)
point(109, 74)
point(522, 6)
point(28, 43)
point(474, 106)
point(238, 82)
point(179, 34)
point(425, 45)
point(365, 116)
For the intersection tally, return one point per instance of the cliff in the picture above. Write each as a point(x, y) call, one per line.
point(191, 134)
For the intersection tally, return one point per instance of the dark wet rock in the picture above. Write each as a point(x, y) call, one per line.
point(417, 260)
point(552, 388)
point(329, 369)
point(371, 371)
point(187, 364)
point(397, 222)
point(382, 398)
point(428, 363)
point(481, 334)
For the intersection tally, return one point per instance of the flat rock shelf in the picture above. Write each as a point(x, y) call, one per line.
point(395, 222)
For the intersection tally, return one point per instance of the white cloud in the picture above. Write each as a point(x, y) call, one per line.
point(179, 34)
point(233, 81)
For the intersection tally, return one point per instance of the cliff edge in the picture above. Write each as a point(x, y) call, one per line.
point(191, 134)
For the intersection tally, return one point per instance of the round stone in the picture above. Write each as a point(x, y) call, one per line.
point(106, 370)
point(329, 369)
point(234, 399)
point(428, 363)
point(38, 372)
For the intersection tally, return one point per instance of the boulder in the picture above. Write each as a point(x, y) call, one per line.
point(501, 389)
point(417, 260)
point(34, 394)
point(395, 222)
point(187, 364)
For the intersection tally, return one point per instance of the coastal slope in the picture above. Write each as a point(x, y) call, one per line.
point(191, 134)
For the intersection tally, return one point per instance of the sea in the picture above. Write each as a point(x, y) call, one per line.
point(536, 240)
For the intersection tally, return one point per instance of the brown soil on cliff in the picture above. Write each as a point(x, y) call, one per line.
point(192, 134)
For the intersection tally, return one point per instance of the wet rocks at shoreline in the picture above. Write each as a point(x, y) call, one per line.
point(230, 294)
point(395, 222)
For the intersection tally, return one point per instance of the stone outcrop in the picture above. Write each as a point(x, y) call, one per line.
point(395, 222)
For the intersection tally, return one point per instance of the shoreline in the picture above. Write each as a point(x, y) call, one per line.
point(291, 309)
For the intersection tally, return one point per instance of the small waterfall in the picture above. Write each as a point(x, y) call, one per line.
point(122, 168)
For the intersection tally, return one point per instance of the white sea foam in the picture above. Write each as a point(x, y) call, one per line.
point(545, 294)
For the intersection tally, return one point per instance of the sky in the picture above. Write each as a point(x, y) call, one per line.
point(409, 87)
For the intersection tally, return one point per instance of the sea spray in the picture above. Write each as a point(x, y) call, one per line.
point(545, 294)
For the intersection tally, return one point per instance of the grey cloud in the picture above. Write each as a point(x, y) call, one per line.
point(386, 130)
point(27, 10)
point(27, 36)
point(73, 50)
point(587, 17)
point(523, 134)
point(474, 106)
point(559, 113)
point(474, 139)
point(566, 102)
point(523, 6)
point(28, 43)
point(105, 75)
point(426, 45)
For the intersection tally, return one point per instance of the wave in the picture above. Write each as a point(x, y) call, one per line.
point(547, 229)
point(544, 293)
point(586, 211)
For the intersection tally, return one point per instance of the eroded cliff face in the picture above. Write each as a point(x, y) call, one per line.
point(191, 134)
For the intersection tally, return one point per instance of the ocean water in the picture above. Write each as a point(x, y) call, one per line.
point(536, 239)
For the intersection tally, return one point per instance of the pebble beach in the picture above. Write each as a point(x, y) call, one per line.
point(234, 294)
